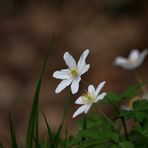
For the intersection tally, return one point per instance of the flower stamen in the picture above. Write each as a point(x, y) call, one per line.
point(87, 97)
point(73, 72)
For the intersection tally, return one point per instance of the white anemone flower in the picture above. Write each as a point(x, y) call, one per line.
point(88, 98)
point(134, 60)
point(72, 75)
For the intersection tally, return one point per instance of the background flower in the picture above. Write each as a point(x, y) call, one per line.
point(134, 60)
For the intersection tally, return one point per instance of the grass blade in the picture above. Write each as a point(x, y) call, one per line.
point(57, 136)
point(33, 120)
point(53, 144)
point(12, 132)
point(1, 146)
point(66, 139)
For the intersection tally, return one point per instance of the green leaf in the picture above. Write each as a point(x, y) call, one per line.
point(131, 91)
point(96, 134)
point(111, 98)
point(126, 144)
point(92, 121)
point(12, 132)
point(140, 105)
point(115, 98)
point(53, 144)
point(92, 142)
point(135, 115)
point(33, 120)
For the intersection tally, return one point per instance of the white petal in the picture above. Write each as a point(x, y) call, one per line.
point(100, 97)
point(82, 59)
point(91, 89)
point(134, 55)
point(120, 61)
point(69, 60)
point(142, 56)
point(62, 85)
point(99, 87)
point(85, 69)
point(75, 85)
point(61, 75)
point(83, 108)
point(88, 106)
point(79, 100)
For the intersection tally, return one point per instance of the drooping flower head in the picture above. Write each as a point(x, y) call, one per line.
point(88, 98)
point(72, 75)
point(129, 105)
point(134, 60)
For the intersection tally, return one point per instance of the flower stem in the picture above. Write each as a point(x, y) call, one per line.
point(121, 118)
point(84, 126)
point(125, 128)
point(107, 119)
point(139, 80)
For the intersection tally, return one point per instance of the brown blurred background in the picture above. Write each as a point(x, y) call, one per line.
point(107, 28)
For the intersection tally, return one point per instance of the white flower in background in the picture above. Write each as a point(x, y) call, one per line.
point(129, 105)
point(145, 96)
point(134, 60)
point(90, 97)
point(72, 75)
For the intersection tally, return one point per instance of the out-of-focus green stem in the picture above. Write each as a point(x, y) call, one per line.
point(122, 118)
point(139, 80)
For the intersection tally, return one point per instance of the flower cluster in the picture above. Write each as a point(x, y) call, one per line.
point(72, 76)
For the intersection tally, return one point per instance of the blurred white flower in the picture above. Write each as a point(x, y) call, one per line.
point(90, 97)
point(129, 105)
point(145, 96)
point(134, 60)
point(72, 75)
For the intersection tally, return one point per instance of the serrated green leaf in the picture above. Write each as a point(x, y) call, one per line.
point(131, 91)
point(140, 105)
point(92, 142)
point(92, 121)
point(126, 144)
point(111, 97)
point(74, 141)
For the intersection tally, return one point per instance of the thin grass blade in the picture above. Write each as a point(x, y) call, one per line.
point(12, 133)
point(33, 120)
point(53, 144)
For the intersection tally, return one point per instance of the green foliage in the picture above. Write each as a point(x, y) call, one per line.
point(117, 98)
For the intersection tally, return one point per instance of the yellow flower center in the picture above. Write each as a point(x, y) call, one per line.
point(74, 72)
point(131, 61)
point(87, 97)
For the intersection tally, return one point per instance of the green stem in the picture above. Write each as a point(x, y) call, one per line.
point(122, 118)
point(84, 126)
point(107, 119)
point(125, 128)
point(139, 80)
